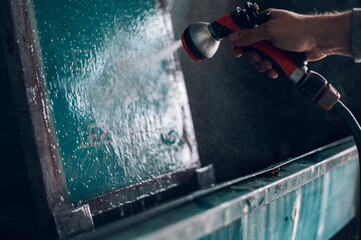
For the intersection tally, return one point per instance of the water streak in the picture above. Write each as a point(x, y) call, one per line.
point(161, 55)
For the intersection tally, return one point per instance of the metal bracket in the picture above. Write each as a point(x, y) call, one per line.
point(205, 176)
point(73, 221)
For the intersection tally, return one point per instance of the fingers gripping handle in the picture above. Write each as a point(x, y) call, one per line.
point(289, 64)
point(281, 61)
point(249, 17)
point(311, 84)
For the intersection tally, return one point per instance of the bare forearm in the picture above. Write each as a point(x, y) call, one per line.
point(332, 32)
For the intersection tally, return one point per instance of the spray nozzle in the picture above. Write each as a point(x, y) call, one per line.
point(198, 41)
point(201, 40)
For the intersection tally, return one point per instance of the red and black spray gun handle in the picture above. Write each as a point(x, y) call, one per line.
point(249, 17)
point(289, 65)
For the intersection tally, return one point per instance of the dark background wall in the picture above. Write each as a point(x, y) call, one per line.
point(245, 121)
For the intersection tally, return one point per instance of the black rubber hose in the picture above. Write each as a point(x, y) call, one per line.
point(351, 122)
point(355, 129)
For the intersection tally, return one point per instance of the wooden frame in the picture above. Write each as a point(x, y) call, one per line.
point(46, 175)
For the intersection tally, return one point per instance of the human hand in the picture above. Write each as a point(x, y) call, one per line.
point(314, 35)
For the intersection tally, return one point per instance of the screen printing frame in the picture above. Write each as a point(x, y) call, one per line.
point(46, 176)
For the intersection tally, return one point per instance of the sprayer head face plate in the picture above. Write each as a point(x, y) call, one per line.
point(190, 47)
point(198, 42)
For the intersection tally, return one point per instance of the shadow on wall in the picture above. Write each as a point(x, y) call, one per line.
point(245, 121)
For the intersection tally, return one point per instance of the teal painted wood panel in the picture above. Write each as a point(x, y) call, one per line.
point(120, 110)
point(311, 198)
point(317, 210)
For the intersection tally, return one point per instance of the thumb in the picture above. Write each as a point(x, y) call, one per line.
point(247, 37)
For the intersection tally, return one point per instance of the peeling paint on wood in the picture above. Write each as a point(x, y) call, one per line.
point(312, 198)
